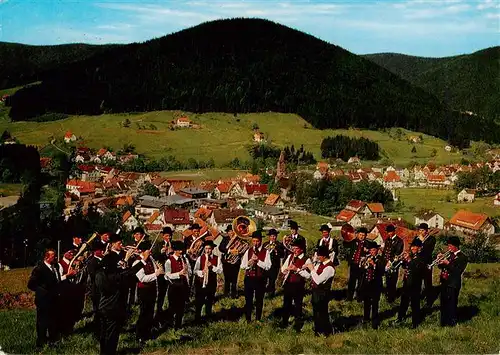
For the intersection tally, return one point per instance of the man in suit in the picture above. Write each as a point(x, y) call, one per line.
point(256, 261)
point(68, 291)
point(330, 243)
point(356, 250)
point(231, 270)
point(45, 281)
point(112, 284)
point(93, 266)
point(161, 253)
point(372, 283)
point(393, 247)
point(294, 232)
point(276, 249)
point(428, 244)
point(452, 269)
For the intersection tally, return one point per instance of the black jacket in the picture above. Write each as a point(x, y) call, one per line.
point(372, 276)
point(276, 253)
point(44, 283)
point(351, 248)
point(93, 266)
point(451, 274)
point(392, 248)
point(428, 249)
point(414, 271)
point(333, 246)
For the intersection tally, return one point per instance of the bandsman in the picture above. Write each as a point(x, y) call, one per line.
point(393, 248)
point(277, 252)
point(330, 242)
point(231, 269)
point(373, 269)
point(356, 252)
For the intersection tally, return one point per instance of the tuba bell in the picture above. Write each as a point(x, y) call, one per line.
point(243, 226)
point(347, 233)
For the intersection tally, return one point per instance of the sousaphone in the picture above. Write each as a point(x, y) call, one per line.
point(243, 227)
point(347, 233)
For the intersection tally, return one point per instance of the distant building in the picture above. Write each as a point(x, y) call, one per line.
point(69, 137)
point(496, 201)
point(471, 223)
point(466, 195)
point(348, 216)
point(183, 122)
point(433, 219)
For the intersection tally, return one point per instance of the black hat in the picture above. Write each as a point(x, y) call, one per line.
point(167, 230)
point(299, 242)
point(370, 244)
point(322, 250)
point(453, 240)
point(110, 261)
point(98, 246)
point(390, 228)
point(229, 228)
point(178, 245)
point(145, 245)
point(362, 230)
point(423, 226)
point(257, 234)
point(272, 231)
point(138, 230)
point(325, 227)
point(195, 226)
point(113, 238)
point(416, 242)
point(293, 224)
point(209, 243)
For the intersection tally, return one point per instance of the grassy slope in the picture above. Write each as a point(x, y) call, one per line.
point(478, 331)
point(415, 199)
point(221, 137)
point(10, 189)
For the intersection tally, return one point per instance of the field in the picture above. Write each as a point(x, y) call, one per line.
point(203, 174)
point(221, 136)
point(432, 199)
point(10, 189)
point(477, 332)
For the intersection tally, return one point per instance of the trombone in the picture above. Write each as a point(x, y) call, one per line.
point(439, 258)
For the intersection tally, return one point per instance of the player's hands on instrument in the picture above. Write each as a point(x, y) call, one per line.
point(145, 254)
point(159, 271)
point(183, 272)
point(444, 262)
point(371, 262)
point(71, 272)
point(309, 266)
point(255, 258)
point(292, 268)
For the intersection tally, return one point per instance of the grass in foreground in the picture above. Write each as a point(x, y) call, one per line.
point(478, 331)
point(221, 136)
point(10, 189)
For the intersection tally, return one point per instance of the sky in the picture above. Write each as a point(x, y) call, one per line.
point(430, 28)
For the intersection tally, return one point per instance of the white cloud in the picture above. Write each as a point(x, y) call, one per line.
point(488, 4)
point(493, 15)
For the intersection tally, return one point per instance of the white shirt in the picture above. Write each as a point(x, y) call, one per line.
point(60, 268)
point(216, 268)
point(169, 275)
point(304, 273)
point(329, 243)
point(266, 264)
point(141, 275)
point(325, 275)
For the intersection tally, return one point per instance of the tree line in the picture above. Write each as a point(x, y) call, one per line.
point(345, 147)
point(483, 180)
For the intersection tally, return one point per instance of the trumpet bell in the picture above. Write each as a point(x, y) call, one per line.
point(347, 233)
point(243, 226)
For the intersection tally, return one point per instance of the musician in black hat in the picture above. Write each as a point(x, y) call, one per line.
point(295, 276)
point(178, 273)
point(146, 292)
point(414, 269)
point(393, 247)
point(428, 244)
point(161, 253)
point(256, 261)
point(277, 252)
point(206, 269)
point(112, 284)
point(371, 285)
point(139, 235)
point(294, 232)
point(330, 242)
point(452, 268)
point(356, 250)
point(231, 261)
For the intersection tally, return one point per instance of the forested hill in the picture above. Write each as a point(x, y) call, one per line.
point(22, 64)
point(468, 82)
point(246, 65)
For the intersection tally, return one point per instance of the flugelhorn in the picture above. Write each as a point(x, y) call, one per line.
point(439, 258)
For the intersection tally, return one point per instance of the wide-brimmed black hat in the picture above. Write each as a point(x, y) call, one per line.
point(209, 243)
point(370, 244)
point(257, 234)
point(390, 228)
point(272, 231)
point(178, 245)
point(293, 224)
point(416, 242)
point(362, 230)
point(300, 243)
point(167, 230)
point(145, 245)
point(113, 237)
point(138, 230)
point(453, 240)
point(322, 250)
point(423, 226)
point(194, 226)
point(324, 227)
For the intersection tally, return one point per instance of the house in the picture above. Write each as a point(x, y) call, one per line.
point(270, 213)
point(376, 209)
point(274, 200)
point(203, 213)
point(433, 219)
point(79, 187)
point(128, 157)
point(392, 180)
point(471, 223)
point(212, 204)
point(177, 219)
point(222, 190)
point(348, 216)
point(123, 201)
point(147, 206)
point(45, 163)
point(177, 185)
point(354, 161)
point(258, 137)
point(321, 170)
point(224, 217)
point(235, 190)
point(437, 180)
point(155, 218)
point(183, 122)
point(69, 137)
point(359, 207)
point(88, 172)
point(414, 139)
point(466, 195)
point(253, 191)
point(496, 201)
point(193, 192)
point(161, 184)
point(380, 235)
point(109, 156)
point(129, 222)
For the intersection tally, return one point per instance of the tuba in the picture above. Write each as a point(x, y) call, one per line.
point(243, 227)
point(196, 246)
point(347, 233)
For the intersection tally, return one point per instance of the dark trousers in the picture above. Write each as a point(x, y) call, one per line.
point(292, 303)
point(320, 299)
point(46, 323)
point(449, 305)
point(231, 272)
point(162, 292)
point(254, 286)
point(131, 295)
point(204, 297)
point(147, 299)
point(410, 295)
point(178, 294)
point(391, 283)
point(110, 333)
point(272, 275)
point(428, 290)
point(95, 308)
point(79, 302)
point(354, 281)
point(371, 302)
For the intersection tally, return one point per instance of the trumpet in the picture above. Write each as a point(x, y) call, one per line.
point(396, 263)
point(365, 261)
point(205, 273)
point(439, 258)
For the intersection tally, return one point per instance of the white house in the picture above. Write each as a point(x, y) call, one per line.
point(351, 217)
point(273, 214)
point(354, 161)
point(466, 195)
point(129, 221)
point(433, 219)
point(183, 122)
point(69, 137)
point(471, 223)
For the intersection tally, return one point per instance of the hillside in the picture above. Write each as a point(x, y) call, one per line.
point(221, 136)
point(22, 64)
point(468, 82)
point(246, 65)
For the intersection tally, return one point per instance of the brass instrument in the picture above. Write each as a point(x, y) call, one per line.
point(243, 226)
point(133, 250)
point(185, 268)
point(82, 249)
point(196, 246)
point(205, 273)
point(392, 266)
point(439, 258)
point(347, 233)
point(364, 263)
point(270, 246)
point(287, 243)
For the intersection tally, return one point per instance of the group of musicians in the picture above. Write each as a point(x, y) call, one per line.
point(155, 269)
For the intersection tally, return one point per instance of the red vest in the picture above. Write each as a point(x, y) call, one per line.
point(294, 276)
point(212, 276)
point(256, 271)
point(325, 285)
point(356, 258)
point(176, 266)
point(65, 266)
point(149, 269)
